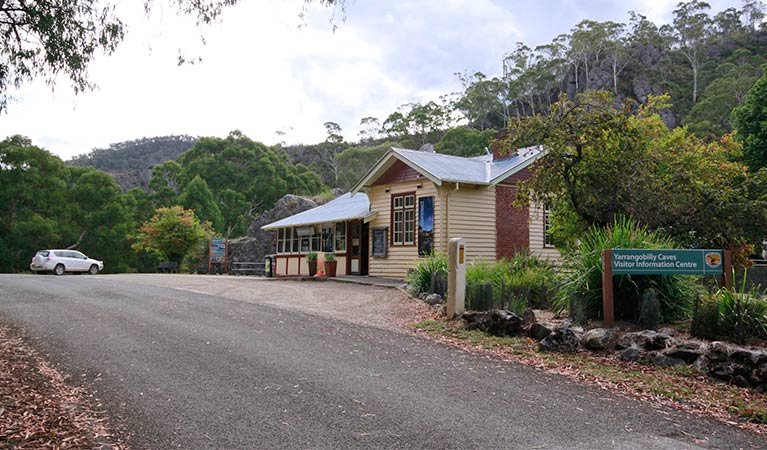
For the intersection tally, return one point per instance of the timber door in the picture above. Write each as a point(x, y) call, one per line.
point(355, 248)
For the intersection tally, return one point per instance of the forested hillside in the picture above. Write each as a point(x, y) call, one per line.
point(131, 162)
point(135, 155)
point(693, 72)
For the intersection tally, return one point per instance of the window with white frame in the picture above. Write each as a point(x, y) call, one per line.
point(280, 241)
point(547, 241)
point(340, 246)
point(327, 237)
point(295, 241)
point(403, 219)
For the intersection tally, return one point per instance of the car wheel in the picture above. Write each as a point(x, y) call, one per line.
point(59, 269)
point(93, 270)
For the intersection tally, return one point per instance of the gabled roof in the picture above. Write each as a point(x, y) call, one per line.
point(440, 168)
point(345, 207)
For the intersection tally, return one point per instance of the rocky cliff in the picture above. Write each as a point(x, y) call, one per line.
point(259, 243)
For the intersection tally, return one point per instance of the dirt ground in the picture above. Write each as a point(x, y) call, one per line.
point(381, 307)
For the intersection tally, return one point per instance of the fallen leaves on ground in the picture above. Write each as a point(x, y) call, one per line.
point(684, 389)
point(39, 410)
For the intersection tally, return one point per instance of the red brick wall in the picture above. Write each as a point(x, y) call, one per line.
point(512, 223)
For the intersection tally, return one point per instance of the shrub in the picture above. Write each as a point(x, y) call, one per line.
point(420, 276)
point(584, 278)
point(734, 315)
point(522, 282)
point(329, 257)
point(311, 257)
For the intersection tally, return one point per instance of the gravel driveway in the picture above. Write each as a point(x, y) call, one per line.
point(381, 307)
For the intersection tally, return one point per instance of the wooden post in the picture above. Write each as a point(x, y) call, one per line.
point(607, 288)
point(727, 276)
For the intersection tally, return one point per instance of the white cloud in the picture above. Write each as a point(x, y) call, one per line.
point(261, 72)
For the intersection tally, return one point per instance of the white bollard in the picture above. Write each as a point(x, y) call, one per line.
point(456, 277)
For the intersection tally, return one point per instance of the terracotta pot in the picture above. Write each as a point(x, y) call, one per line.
point(330, 268)
point(312, 268)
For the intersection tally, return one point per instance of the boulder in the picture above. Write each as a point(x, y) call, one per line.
point(736, 365)
point(630, 354)
point(538, 331)
point(646, 340)
point(689, 352)
point(433, 299)
point(528, 318)
point(662, 360)
point(597, 338)
point(563, 339)
point(498, 322)
point(259, 243)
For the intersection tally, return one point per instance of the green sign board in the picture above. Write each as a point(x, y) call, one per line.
point(667, 262)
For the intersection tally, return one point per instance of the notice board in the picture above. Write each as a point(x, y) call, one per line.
point(380, 241)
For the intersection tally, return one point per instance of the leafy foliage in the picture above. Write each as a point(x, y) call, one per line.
point(583, 281)
point(355, 161)
point(519, 283)
point(464, 141)
point(49, 205)
point(735, 315)
point(750, 123)
point(690, 189)
point(420, 276)
point(243, 176)
point(172, 233)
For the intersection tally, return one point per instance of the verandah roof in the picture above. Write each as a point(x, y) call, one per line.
point(343, 208)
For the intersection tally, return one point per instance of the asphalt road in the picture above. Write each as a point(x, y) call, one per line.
point(196, 371)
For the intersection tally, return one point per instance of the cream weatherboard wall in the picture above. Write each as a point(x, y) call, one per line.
point(400, 259)
point(470, 212)
point(465, 211)
point(538, 245)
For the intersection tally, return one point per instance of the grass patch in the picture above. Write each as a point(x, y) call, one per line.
point(682, 387)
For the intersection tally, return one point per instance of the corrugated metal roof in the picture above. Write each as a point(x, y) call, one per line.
point(345, 207)
point(445, 167)
point(519, 160)
point(475, 170)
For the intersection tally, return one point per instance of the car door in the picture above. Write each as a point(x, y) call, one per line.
point(78, 261)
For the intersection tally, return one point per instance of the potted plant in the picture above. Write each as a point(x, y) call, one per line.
point(311, 259)
point(330, 264)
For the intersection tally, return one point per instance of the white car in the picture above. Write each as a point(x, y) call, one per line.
point(60, 261)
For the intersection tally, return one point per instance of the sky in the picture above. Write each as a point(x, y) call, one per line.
point(265, 70)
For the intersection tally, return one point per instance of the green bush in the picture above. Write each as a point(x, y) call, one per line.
point(420, 276)
point(584, 279)
point(734, 315)
point(525, 281)
point(522, 282)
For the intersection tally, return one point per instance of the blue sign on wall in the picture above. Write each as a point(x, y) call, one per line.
point(425, 225)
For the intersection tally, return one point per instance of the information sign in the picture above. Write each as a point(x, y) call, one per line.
point(667, 262)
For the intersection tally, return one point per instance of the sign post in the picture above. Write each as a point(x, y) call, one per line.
point(620, 261)
point(608, 313)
